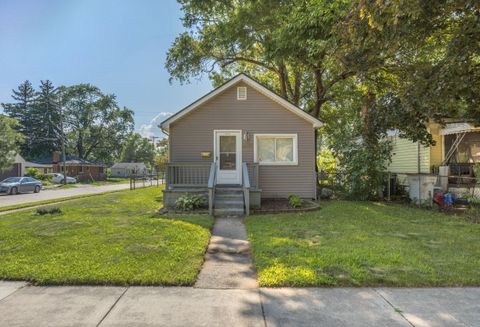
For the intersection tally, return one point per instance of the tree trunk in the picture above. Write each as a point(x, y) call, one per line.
point(297, 76)
point(283, 82)
point(80, 149)
point(319, 93)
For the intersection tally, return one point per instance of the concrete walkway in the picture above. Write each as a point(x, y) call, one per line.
point(8, 200)
point(228, 262)
point(23, 305)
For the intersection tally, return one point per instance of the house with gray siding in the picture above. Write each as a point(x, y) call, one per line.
point(238, 144)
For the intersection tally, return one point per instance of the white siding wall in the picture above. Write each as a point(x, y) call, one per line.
point(405, 158)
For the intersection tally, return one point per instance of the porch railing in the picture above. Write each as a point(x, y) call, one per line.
point(204, 175)
point(187, 174)
point(246, 188)
point(253, 171)
point(212, 181)
point(462, 174)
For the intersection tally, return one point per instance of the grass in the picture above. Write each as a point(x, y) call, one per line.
point(109, 181)
point(365, 244)
point(111, 239)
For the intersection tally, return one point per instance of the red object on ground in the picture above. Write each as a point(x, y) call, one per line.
point(438, 198)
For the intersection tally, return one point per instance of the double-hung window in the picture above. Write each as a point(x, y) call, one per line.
point(276, 149)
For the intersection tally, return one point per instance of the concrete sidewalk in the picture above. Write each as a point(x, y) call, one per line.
point(23, 305)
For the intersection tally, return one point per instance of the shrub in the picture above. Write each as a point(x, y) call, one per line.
point(473, 201)
point(35, 173)
point(189, 202)
point(32, 172)
point(295, 201)
point(48, 211)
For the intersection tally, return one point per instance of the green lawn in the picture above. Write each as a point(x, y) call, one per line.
point(114, 238)
point(108, 181)
point(365, 244)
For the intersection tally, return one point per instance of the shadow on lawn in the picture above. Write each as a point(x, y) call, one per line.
point(202, 220)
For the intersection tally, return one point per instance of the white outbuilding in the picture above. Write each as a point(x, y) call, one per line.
point(127, 169)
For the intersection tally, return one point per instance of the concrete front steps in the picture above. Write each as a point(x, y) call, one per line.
point(228, 202)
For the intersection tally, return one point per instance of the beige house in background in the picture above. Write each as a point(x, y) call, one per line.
point(238, 144)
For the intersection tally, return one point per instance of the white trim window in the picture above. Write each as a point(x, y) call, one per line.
point(275, 149)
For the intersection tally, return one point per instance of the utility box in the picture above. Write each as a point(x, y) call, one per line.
point(443, 173)
point(420, 188)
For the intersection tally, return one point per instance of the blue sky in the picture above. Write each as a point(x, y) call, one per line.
point(117, 45)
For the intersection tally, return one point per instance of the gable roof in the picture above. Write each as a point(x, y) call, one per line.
point(165, 125)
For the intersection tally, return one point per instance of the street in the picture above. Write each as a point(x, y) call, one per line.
point(8, 200)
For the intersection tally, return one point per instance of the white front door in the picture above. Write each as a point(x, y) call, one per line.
point(228, 156)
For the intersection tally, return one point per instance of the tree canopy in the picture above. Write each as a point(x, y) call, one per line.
point(138, 149)
point(94, 125)
point(9, 140)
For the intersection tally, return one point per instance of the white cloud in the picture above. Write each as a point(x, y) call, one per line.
point(152, 129)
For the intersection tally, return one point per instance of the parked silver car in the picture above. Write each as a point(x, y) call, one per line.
point(14, 185)
point(59, 178)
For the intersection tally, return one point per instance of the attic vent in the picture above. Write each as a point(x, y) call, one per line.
point(242, 93)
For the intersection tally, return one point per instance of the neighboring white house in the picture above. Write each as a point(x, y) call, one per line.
point(126, 169)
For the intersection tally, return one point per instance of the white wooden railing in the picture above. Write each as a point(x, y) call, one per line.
point(246, 188)
point(212, 181)
point(253, 170)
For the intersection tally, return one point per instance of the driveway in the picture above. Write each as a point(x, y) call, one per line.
point(23, 305)
point(8, 200)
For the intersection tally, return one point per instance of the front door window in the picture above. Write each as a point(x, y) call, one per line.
point(228, 154)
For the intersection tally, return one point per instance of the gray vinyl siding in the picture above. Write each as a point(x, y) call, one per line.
point(194, 133)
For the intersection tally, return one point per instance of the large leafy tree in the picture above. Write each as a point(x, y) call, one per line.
point(294, 47)
point(138, 149)
point(96, 126)
point(9, 140)
point(422, 57)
